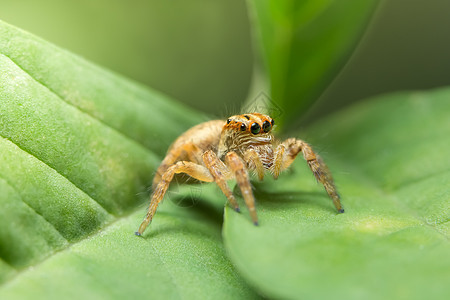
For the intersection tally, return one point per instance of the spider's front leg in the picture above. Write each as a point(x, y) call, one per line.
point(236, 165)
point(287, 152)
point(194, 170)
point(221, 174)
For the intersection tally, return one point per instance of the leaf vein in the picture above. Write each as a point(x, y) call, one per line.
point(43, 162)
point(35, 211)
point(118, 131)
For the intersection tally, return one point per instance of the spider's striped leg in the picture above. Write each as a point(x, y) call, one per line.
point(179, 153)
point(221, 174)
point(318, 167)
point(237, 166)
point(194, 170)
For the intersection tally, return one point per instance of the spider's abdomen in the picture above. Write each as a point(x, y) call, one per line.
point(191, 145)
point(205, 136)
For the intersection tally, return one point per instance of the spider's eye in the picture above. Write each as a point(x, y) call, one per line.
point(273, 122)
point(267, 126)
point(243, 127)
point(255, 128)
point(228, 121)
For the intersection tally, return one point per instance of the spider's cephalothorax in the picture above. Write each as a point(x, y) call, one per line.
point(217, 151)
point(243, 131)
point(249, 131)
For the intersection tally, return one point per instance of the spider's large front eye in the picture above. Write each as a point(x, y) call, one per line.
point(267, 126)
point(255, 128)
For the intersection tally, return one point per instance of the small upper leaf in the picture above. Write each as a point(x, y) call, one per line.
point(303, 44)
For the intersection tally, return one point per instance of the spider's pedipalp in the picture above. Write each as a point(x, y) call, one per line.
point(254, 161)
point(278, 161)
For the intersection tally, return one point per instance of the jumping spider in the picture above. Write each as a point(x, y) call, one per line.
point(219, 151)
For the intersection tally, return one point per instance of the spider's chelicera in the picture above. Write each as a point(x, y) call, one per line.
point(217, 151)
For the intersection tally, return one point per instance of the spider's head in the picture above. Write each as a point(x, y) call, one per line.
point(242, 131)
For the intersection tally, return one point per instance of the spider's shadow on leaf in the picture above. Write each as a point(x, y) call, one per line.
point(188, 207)
point(201, 206)
point(282, 199)
point(172, 229)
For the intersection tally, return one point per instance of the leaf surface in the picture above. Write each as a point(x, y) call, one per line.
point(389, 157)
point(78, 148)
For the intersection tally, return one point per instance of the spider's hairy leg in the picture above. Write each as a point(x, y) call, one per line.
point(236, 165)
point(192, 152)
point(194, 170)
point(317, 166)
point(253, 159)
point(221, 174)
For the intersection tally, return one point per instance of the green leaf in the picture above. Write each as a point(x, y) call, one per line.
point(302, 45)
point(389, 157)
point(181, 257)
point(78, 147)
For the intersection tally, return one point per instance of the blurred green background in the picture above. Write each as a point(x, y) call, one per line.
point(199, 52)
